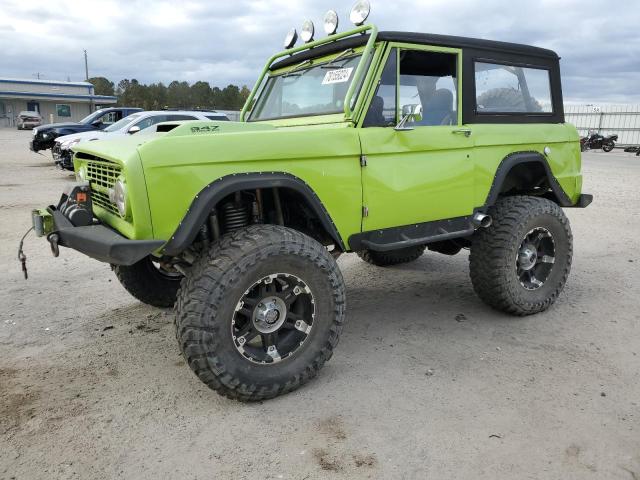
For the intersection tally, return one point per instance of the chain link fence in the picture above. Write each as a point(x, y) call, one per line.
point(621, 120)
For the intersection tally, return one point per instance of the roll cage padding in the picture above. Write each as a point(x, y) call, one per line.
point(204, 203)
point(518, 158)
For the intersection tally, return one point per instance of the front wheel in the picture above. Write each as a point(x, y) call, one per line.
point(150, 282)
point(608, 146)
point(520, 263)
point(261, 312)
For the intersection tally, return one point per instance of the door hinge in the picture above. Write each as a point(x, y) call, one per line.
point(363, 160)
point(365, 211)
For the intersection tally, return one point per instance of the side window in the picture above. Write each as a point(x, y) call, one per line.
point(429, 79)
point(149, 121)
point(109, 118)
point(382, 111)
point(179, 117)
point(511, 89)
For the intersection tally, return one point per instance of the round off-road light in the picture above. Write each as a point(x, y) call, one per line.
point(360, 12)
point(291, 39)
point(120, 197)
point(307, 31)
point(331, 22)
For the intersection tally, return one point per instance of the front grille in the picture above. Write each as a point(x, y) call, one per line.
point(102, 200)
point(102, 175)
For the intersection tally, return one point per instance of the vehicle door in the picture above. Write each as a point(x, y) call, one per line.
point(424, 173)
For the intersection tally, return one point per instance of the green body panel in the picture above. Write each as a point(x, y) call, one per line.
point(429, 173)
point(124, 152)
point(328, 160)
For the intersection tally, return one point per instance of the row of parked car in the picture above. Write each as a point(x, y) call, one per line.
point(104, 124)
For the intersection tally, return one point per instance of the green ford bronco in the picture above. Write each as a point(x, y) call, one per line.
point(379, 143)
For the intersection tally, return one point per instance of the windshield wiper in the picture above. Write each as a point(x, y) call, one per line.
point(292, 72)
point(331, 64)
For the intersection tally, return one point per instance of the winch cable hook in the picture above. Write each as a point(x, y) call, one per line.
point(22, 258)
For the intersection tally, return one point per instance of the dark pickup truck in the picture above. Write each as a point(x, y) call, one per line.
point(45, 135)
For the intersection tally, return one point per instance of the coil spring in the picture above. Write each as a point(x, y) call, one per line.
point(235, 216)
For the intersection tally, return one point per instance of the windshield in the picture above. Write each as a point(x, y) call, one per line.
point(121, 123)
point(314, 90)
point(90, 118)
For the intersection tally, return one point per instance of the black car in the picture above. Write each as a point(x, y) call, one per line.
point(45, 135)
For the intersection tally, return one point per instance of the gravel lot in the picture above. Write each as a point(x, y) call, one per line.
point(427, 381)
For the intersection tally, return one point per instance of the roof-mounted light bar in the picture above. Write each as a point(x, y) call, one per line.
point(358, 15)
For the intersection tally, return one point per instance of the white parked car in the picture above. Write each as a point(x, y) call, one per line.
point(137, 122)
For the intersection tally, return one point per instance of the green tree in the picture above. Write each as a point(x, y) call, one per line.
point(201, 95)
point(179, 95)
point(102, 86)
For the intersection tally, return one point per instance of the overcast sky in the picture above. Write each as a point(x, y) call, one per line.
point(226, 42)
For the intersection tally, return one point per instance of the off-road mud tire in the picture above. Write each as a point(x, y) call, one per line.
point(217, 281)
point(494, 251)
point(392, 257)
point(145, 282)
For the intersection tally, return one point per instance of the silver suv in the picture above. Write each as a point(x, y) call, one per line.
point(137, 122)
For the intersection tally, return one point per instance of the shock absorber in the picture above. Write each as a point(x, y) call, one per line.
point(235, 214)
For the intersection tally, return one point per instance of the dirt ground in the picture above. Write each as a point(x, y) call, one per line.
point(427, 381)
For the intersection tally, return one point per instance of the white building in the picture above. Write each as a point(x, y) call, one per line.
point(56, 101)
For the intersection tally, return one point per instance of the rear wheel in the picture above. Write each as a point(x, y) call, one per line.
point(261, 312)
point(520, 263)
point(608, 146)
point(392, 257)
point(150, 282)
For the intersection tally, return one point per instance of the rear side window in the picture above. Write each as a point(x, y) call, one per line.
point(180, 117)
point(512, 89)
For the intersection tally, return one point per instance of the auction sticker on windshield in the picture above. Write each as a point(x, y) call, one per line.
point(340, 75)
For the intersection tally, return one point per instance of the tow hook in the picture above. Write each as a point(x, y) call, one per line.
point(53, 242)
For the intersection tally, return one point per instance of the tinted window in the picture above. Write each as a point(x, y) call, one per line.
point(179, 117)
point(382, 111)
point(511, 89)
point(429, 79)
point(426, 78)
point(149, 121)
point(218, 119)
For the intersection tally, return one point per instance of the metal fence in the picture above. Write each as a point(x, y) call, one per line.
point(622, 120)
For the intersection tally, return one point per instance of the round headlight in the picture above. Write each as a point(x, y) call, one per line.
point(360, 12)
point(307, 31)
point(120, 197)
point(331, 22)
point(291, 39)
point(81, 174)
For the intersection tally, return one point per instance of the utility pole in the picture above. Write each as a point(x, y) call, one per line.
point(86, 66)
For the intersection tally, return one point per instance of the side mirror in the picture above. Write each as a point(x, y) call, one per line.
point(134, 129)
point(97, 123)
point(410, 113)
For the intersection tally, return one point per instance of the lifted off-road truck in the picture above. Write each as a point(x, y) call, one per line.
point(379, 143)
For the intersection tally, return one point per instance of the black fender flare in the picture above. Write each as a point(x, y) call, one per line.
point(517, 158)
point(209, 196)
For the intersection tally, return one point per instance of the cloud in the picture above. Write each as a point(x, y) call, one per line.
point(228, 42)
